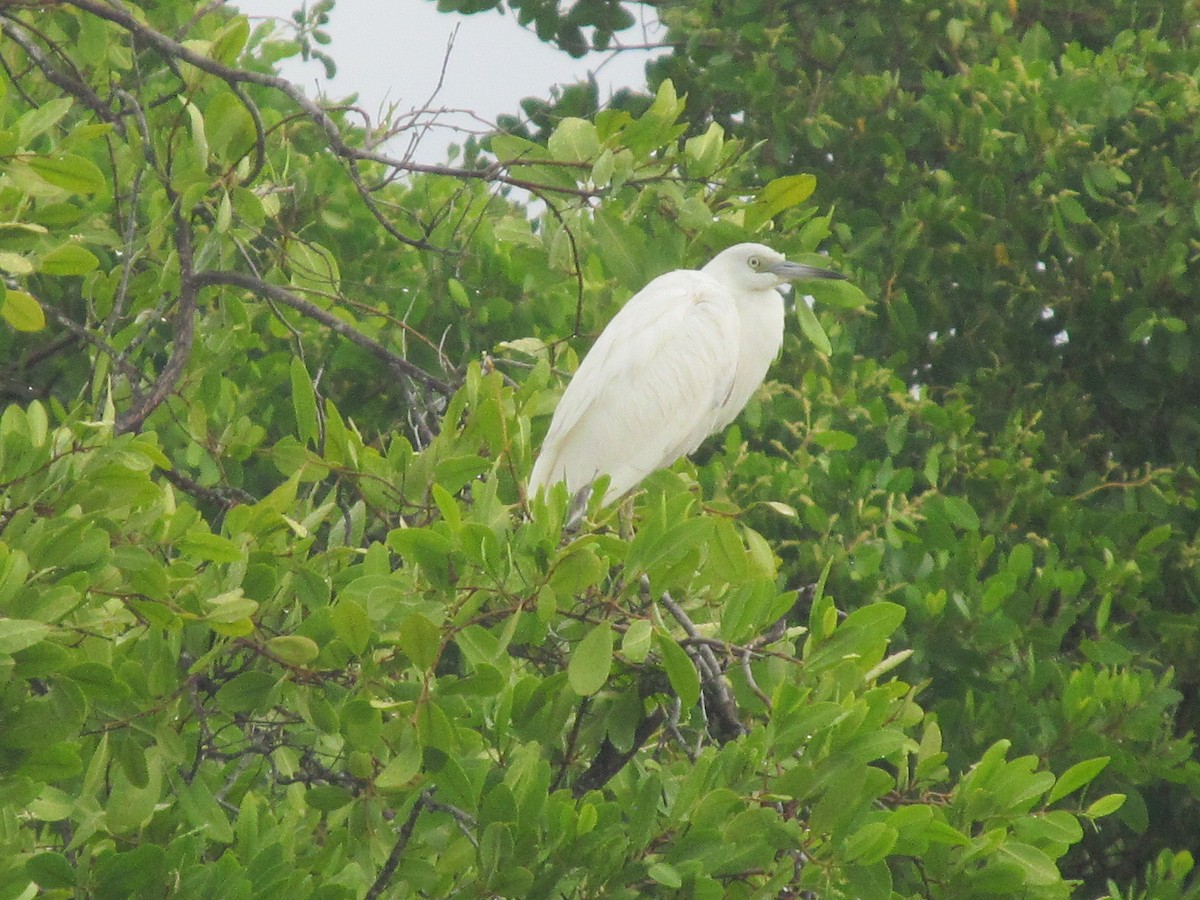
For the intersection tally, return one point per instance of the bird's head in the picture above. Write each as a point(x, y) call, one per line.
point(756, 267)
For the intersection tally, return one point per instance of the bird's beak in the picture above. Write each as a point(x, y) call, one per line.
point(791, 271)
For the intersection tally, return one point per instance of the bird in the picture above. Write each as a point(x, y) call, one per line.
point(677, 363)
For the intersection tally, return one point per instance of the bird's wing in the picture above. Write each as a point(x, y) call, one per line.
point(648, 390)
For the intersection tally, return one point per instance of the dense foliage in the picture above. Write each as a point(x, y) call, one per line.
point(276, 616)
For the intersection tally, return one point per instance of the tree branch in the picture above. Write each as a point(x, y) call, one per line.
point(712, 679)
point(609, 760)
point(281, 295)
point(333, 134)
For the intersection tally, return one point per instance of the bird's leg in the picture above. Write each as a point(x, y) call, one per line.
point(576, 509)
point(625, 519)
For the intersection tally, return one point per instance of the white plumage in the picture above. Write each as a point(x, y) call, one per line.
point(677, 363)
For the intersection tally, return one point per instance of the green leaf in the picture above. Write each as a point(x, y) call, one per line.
point(871, 843)
point(812, 329)
point(41, 119)
point(495, 849)
point(327, 798)
point(635, 644)
point(70, 172)
point(704, 151)
point(251, 691)
point(402, 768)
point(1076, 777)
point(17, 634)
point(231, 606)
point(50, 870)
point(665, 874)
point(591, 661)
point(211, 547)
point(834, 440)
point(420, 640)
point(1105, 806)
point(681, 671)
point(229, 127)
point(780, 194)
point(1152, 538)
point(960, 512)
point(574, 140)
point(620, 249)
point(202, 809)
point(428, 549)
point(304, 402)
point(22, 311)
point(293, 649)
point(230, 40)
point(837, 293)
point(351, 624)
point(434, 728)
point(1039, 868)
point(313, 268)
point(135, 873)
point(69, 259)
point(15, 263)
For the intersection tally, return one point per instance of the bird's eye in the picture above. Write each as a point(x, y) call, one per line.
point(754, 262)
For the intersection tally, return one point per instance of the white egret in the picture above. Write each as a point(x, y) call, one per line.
point(676, 364)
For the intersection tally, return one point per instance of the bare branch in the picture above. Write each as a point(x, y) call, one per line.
point(712, 678)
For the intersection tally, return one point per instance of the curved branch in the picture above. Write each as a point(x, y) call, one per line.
point(282, 295)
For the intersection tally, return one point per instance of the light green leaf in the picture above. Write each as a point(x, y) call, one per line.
point(1076, 777)
point(1105, 806)
point(780, 194)
point(591, 661)
point(211, 547)
point(704, 151)
point(69, 259)
point(41, 119)
point(15, 263)
point(665, 874)
point(70, 172)
point(834, 440)
point(230, 606)
point(17, 634)
point(351, 624)
point(811, 327)
point(304, 402)
point(681, 671)
point(635, 645)
point(402, 768)
point(960, 512)
point(420, 640)
point(22, 311)
point(1039, 868)
point(574, 140)
point(293, 649)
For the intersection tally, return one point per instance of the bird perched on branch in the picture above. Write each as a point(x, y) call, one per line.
point(676, 364)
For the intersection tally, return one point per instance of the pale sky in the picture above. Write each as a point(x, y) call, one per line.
point(392, 51)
